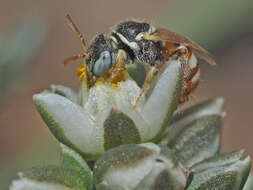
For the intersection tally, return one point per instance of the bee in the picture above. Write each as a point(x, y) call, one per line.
point(133, 41)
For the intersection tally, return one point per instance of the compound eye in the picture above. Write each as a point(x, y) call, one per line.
point(103, 64)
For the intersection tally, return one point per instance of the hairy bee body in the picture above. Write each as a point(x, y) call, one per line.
point(133, 41)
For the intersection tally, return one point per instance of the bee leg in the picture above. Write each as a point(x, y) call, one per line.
point(191, 73)
point(184, 55)
point(187, 89)
point(118, 72)
point(189, 85)
point(149, 78)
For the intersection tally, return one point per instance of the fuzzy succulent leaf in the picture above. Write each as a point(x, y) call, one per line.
point(208, 107)
point(197, 140)
point(49, 178)
point(129, 162)
point(249, 183)
point(82, 94)
point(120, 129)
point(167, 173)
point(65, 120)
point(183, 118)
point(65, 91)
point(139, 167)
point(74, 161)
point(227, 171)
point(195, 132)
point(72, 174)
point(163, 96)
point(218, 160)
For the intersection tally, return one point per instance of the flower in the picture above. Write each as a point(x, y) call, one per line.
point(96, 120)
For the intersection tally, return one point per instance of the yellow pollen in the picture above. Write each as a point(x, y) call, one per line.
point(81, 72)
point(98, 83)
point(114, 85)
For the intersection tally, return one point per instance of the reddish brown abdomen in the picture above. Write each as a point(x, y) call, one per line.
point(191, 69)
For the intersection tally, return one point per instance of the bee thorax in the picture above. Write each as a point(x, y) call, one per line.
point(149, 51)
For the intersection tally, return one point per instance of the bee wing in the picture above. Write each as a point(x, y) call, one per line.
point(167, 35)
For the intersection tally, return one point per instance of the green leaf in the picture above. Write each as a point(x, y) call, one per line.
point(49, 178)
point(197, 140)
point(230, 176)
point(74, 161)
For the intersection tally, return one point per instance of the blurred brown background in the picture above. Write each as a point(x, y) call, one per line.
point(224, 28)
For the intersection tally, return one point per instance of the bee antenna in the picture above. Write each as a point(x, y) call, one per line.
point(75, 29)
point(74, 58)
